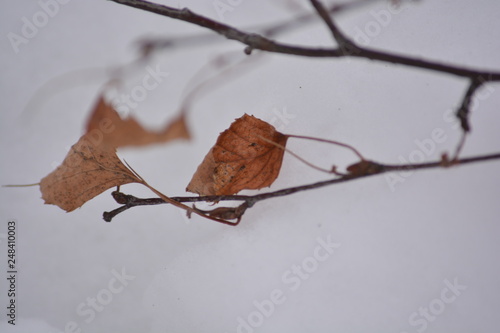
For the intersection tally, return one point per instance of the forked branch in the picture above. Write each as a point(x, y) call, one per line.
point(255, 41)
point(345, 48)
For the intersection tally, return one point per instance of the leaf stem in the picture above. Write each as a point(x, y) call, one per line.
point(22, 185)
point(345, 145)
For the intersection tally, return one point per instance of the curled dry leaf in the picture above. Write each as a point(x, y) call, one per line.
point(92, 166)
point(87, 171)
point(364, 167)
point(225, 213)
point(242, 158)
point(106, 125)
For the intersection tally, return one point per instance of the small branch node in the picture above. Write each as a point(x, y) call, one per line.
point(248, 50)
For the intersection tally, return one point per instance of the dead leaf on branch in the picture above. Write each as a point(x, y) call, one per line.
point(106, 125)
point(364, 167)
point(92, 166)
point(87, 171)
point(224, 213)
point(242, 158)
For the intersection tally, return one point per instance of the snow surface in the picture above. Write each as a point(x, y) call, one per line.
point(415, 257)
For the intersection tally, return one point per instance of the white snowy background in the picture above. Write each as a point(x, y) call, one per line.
point(419, 255)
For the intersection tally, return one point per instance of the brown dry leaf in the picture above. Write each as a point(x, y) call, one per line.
point(106, 126)
point(87, 171)
point(241, 159)
point(364, 167)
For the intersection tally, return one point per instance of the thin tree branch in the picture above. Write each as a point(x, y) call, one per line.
point(369, 169)
point(349, 46)
point(346, 48)
point(460, 145)
point(345, 44)
point(464, 109)
point(298, 21)
point(258, 42)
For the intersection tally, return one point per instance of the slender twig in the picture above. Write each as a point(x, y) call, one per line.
point(345, 44)
point(349, 46)
point(464, 109)
point(130, 201)
point(300, 20)
point(460, 145)
point(147, 44)
point(256, 41)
